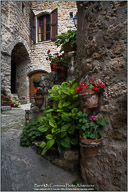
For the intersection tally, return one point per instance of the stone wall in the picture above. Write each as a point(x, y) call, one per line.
point(15, 31)
point(101, 54)
point(39, 50)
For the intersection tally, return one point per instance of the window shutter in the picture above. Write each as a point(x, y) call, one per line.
point(54, 22)
point(33, 26)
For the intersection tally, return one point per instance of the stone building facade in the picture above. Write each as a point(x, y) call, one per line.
point(21, 56)
point(101, 54)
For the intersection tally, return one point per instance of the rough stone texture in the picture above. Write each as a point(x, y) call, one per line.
point(18, 47)
point(101, 54)
point(15, 31)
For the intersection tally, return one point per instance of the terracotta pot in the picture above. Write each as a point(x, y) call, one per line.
point(39, 100)
point(88, 98)
point(8, 103)
point(52, 65)
point(68, 48)
point(61, 73)
point(89, 147)
point(90, 141)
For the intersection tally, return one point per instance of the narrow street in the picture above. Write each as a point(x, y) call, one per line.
point(22, 168)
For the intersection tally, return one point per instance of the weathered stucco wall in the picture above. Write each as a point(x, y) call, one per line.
point(101, 54)
point(39, 50)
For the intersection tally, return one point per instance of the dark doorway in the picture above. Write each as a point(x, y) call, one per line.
point(13, 77)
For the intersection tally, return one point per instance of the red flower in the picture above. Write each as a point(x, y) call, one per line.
point(85, 84)
point(35, 91)
point(94, 88)
point(81, 88)
point(91, 79)
point(101, 85)
point(56, 54)
point(93, 84)
point(48, 51)
point(81, 85)
point(47, 58)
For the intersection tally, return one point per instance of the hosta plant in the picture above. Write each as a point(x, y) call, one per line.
point(58, 123)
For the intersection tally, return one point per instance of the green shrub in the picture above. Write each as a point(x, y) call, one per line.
point(30, 133)
point(68, 37)
point(58, 123)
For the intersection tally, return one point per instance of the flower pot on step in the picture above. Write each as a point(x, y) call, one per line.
point(39, 100)
point(52, 65)
point(90, 147)
point(88, 98)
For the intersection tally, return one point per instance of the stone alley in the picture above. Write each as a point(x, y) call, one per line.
point(22, 168)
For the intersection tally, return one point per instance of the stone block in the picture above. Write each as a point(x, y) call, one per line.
point(71, 155)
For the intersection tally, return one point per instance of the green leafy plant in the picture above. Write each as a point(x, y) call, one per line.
point(91, 128)
point(58, 123)
point(30, 133)
point(7, 98)
point(68, 37)
point(16, 102)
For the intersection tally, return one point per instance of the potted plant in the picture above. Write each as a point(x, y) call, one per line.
point(38, 96)
point(88, 93)
point(7, 100)
point(91, 130)
point(59, 64)
point(67, 41)
point(36, 81)
point(15, 103)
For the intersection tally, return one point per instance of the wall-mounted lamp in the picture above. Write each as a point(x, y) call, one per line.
point(75, 20)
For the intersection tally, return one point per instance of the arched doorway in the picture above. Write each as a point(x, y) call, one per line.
point(19, 62)
point(34, 74)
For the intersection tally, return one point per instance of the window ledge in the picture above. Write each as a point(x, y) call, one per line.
point(44, 42)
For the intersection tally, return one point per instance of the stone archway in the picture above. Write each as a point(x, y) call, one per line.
point(19, 62)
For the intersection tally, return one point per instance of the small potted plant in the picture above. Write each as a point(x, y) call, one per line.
point(91, 131)
point(88, 93)
point(38, 96)
point(67, 41)
point(15, 103)
point(8, 101)
point(36, 81)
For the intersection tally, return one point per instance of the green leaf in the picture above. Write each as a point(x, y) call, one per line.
point(65, 127)
point(65, 142)
point(65, 117)
point(74, 141)
point(60, 105)
point(43, 128)
point(50, 143)
point(49, 136)
point(52, 123)
point(44, 151)
point(66, 104)
point(49, 110)
point(42, 144)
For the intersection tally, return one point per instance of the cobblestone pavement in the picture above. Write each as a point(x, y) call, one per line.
point(22, 168)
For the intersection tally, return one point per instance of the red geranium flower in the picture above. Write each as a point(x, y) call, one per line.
point(94, 88)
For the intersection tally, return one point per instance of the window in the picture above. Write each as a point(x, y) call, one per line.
point(44, 27)
point(71, 15)
point(23, 8)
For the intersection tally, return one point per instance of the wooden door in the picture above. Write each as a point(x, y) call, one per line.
point(38, 74)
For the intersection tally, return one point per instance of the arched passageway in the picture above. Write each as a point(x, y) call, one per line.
point(19, 62)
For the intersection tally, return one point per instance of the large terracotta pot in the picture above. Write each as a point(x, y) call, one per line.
point(88, 98)
point(68, 48)
point(39, 100)
point(89, 147)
